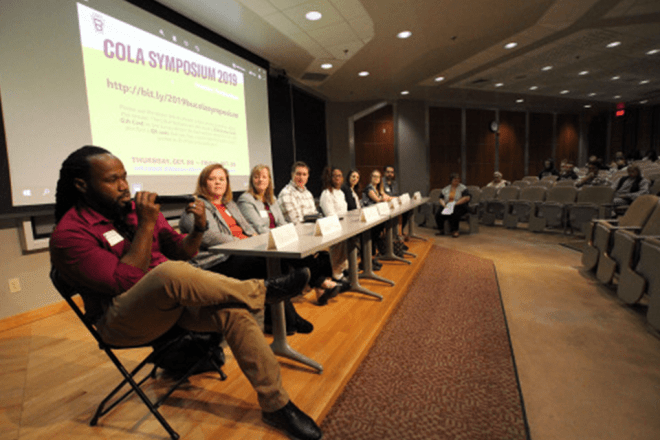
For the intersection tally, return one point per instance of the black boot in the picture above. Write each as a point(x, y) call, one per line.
point(286, 286)
point(295, 423)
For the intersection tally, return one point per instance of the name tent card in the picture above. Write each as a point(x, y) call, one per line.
point(282, 236)
point(369, 214)
point(417, 196)
point(394, 203)
point(383, 208)
point(327, 226)
point(405, 199)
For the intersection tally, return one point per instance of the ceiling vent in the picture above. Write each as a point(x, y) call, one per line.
point(310, 76)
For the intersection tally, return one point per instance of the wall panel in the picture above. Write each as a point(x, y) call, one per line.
point(444, 144)
point(480, 147)
point(374, 142)
point(540, 141)
point(512, 145)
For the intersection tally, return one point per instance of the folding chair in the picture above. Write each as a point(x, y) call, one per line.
point(160, 348)
point(599, 232)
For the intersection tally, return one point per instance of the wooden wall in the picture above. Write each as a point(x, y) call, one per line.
point(445, 144)
point(512, 145)
point(374, 142)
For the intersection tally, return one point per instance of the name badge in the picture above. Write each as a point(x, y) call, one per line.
point(263, 214)
point(113, 237)
point(282, 236)
point(327, 226)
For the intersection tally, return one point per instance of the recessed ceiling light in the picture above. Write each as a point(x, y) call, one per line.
point(584, 72)
point(614, 78)
point(546, 68)
point(652, 51)
point(363, 73)
point(519, 101)
point(617, 96)
point(510, 45)
point(643, 101)
point(587, 106)
point(645, 81)
point(313, 15)
point(534, 88)
point(405, 92)
point(614, 44)
point(404, 34)
point(563, 92)
point(592, 94)
point(439, 78)
point(499, 84)
point(326, 66)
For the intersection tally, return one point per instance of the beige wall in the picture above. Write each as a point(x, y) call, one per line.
point(32, 270)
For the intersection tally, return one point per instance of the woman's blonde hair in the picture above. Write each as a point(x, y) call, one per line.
point(269, 194)
point(204, 176)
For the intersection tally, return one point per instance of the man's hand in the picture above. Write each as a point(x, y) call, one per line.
point(146, 209)
point(199, 212)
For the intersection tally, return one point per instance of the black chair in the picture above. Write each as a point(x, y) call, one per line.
point(208, 355)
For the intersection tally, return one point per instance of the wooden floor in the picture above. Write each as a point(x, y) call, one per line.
point(52, 375)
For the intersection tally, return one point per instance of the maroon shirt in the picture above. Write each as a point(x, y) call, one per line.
point(86, 248)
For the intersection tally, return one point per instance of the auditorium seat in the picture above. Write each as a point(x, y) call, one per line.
point(592, 202)
point(599, 231)
point(497, 207)
point(552, 212)
point(521, 209)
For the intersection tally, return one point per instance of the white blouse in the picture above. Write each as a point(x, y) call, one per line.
point(333, 201)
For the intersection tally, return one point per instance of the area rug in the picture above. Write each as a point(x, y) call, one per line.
point(443, 366)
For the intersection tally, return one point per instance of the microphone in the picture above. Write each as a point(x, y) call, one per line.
point(164, 200)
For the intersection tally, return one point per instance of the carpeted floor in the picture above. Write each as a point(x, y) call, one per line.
point(442, 368)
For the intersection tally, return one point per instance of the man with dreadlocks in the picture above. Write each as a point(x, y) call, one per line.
point(119, 254)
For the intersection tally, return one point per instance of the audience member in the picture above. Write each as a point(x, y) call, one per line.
point(592, 177)
point(567, 171)
point(629, 187)
point(117, 253)
point(497, 181)
point(453, 203)
point(548, 169)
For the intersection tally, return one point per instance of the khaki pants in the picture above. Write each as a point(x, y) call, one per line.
point(176, 293)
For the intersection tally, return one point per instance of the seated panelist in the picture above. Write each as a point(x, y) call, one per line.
point(227, 224)
point(118, 254)
point(259, 206)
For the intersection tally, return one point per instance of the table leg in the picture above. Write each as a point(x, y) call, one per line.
point(389, 246)
point(411, 227)
point(280, 346)
point(367, 267)
point(353, 275)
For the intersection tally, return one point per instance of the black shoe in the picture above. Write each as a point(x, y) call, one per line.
point(344, 285)
point(328, 294)
point(295, 423)
point(304, 326)
point(287, 286)
point(268, 329)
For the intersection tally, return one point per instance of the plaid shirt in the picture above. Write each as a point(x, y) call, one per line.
point(296, 203)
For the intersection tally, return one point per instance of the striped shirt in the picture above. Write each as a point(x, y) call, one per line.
point(296, 203)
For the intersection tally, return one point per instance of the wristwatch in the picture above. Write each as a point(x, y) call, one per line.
point(204, 229)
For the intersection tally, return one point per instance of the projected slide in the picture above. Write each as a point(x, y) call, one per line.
point(173, 110)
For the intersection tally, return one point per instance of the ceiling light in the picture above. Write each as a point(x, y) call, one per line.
point(592, 94)
point(405, 92)
point(439, 78)
point(587, 106)
point(404, 34)
point(520, 101)
point(643, 101)
point(584, 72)
point(510, 45)
point(534, 88)
point(546, 68)
point(363, 73)
point(499, 84)
point(614, 44)
point(652, 51)
point(645, 81)
point(313, 15)
point(614, 78)
point(617, 96)
point(563, 92)
point(326, 66)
